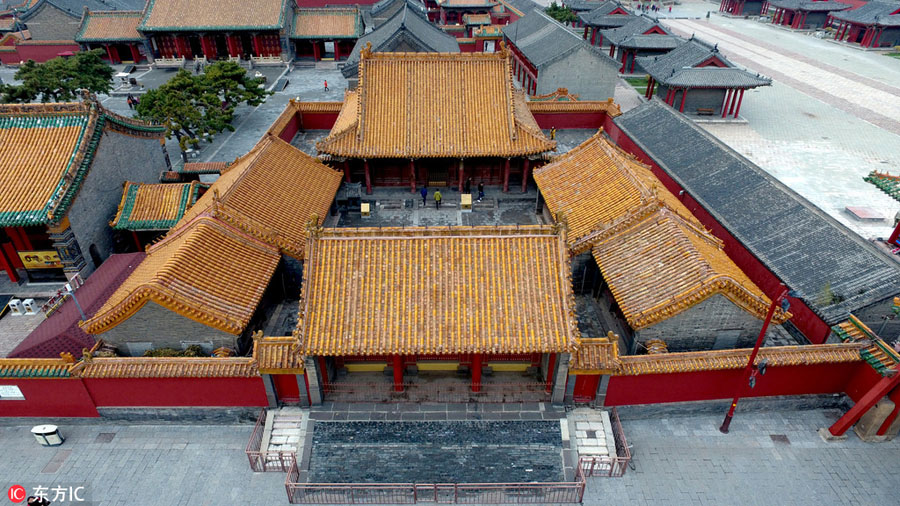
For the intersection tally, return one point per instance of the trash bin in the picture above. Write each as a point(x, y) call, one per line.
point(47, 435)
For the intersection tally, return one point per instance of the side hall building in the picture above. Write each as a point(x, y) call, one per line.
point(61, 167)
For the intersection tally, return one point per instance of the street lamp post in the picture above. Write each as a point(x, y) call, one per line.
point(748, 370)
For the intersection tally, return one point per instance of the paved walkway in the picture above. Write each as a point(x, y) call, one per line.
point(830, 117)
point(679, 460)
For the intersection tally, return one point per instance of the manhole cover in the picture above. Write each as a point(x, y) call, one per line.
point(105, 437)
point(780, 438)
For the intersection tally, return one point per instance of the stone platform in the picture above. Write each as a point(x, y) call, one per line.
point(435, 452)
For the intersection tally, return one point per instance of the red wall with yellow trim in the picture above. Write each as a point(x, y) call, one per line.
point(723, 384)
point(177, 392)
point(50, 397)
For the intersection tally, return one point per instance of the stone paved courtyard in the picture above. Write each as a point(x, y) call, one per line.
point(679, 460)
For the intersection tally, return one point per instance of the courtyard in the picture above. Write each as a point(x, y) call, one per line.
point(769, 457)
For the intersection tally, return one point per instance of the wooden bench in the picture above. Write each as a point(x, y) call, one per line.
point(704, 111)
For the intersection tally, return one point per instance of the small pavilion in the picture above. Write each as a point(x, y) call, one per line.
point(113, 31)
point(804, 14)
point(610, 14)
point(326, 33)
point(637, 33)
point(873, 25)
point(695, 77)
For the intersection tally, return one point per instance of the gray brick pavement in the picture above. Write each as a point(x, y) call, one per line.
point(679, 460)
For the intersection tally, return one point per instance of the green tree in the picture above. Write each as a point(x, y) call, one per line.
point(563, 14)
point(58, 80)
point(191, 106)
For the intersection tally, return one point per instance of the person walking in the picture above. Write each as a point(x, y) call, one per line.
point(130, 102)
point(553, 133)
point(437, 199)
point(424, 193)
point(480, 191)
point(326, 85)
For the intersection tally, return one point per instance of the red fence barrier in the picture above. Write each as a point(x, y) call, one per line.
point(612, 466)
point(261, 460)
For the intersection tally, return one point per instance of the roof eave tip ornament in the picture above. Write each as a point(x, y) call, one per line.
point(366, 52)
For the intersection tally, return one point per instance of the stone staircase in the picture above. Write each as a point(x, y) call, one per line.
point(284, 431)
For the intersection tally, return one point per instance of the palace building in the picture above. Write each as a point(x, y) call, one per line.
point(115, 32)
point(435, 119)
point(548, 56)
point(207, 278)
point(696, 79)
point(215, 29)
point(58, 163)
point(666, 277)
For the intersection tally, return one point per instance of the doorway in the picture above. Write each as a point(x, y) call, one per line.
point(221, 44)
point(196, 47)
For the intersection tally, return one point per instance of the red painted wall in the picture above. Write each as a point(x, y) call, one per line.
point(712, 385)
point(323, 3)
point(128, 392)
point(49, 398)
point(803, 317)
point(286, 387)
point(570, 120)
point(864, 379)
point(467, 46)
point(318, 120)
point(41, 53)
point(290, 130)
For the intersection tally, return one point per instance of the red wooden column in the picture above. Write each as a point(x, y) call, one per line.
point(398, 373)
point(725, 104)
point(135, 52)
point(551, 366)
point(368, 178)
point(112, 60)
point(323, 368)
point(737, 110)
point(895, 398)
point(593, 37)
point(733, 101)
point(526, 171)
point(6, 264)
point(612, 50)
point(337, 50)
point(683, 97)
point(234, 45)
point(462, 171)
point(633, 59)
point(879, 390)
point(412, 175)
point(585, 33)
point(506, 175)
point(476, 372)
point(317, 54)
point(255, 40)
point(877, 38)
point(137, 241)
point(346, 171)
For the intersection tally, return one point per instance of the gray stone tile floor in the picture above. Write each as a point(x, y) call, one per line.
point(679, 460)
point(435, 452)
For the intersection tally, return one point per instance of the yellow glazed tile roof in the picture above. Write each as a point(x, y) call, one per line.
point(327, 23)
point(448, 290)
point(662, 265)
point(34, 368)
point(110, 26)
point(775, 356)
point(596, 356)
point(593, 185)
point(204, 270)
point(38, 144)
point(154, 206)
point(277, 355)
point(556, 104)
point(271, 193)
point(420, 105)
point(195, 15)
point(159, 367)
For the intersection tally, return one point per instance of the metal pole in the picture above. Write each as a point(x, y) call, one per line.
point(83, 316)
point(749, 368)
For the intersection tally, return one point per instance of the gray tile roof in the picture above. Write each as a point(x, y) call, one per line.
point(875, 12)
point(524, 6)
point(76, 7)
point(540, 38)
point(637, 26)
point(605, 20)
point(715, 77)
point(588, 5)
point(691, 52)
point(810, 5)
point(652, 41)
point(798, 242)
point(408, 25)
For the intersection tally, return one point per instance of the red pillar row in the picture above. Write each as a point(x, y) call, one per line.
point(740, 99)
point(725, 104)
